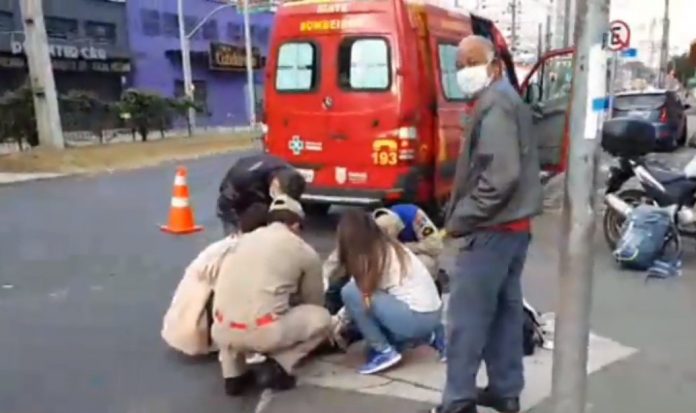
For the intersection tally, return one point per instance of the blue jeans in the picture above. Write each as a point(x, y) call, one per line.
point(485, 316)
point(388, 322)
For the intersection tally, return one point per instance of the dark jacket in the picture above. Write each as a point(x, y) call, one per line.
point(246, 183)
point(497, 178)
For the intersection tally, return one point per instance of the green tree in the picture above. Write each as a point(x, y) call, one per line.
point(17, 117)
point(181, 107)
point(84, 110)
point(144, 111)
point(683, 69)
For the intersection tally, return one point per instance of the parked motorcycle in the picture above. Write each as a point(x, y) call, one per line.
point(630, 140)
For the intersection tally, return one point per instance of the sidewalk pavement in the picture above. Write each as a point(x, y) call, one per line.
point(420, 377)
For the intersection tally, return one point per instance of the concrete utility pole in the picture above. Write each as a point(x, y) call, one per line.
point(569, 391)
point(567, 20)
point(41, 74)
point(540, 40)
point(513, 7)
point(249, 66)
point(664, 56)
point(653, 48)
point(185, 43)
point(549, 38)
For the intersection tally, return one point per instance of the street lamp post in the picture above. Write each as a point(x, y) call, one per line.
point(186, 63)
point(249, 67)
point(185, 40)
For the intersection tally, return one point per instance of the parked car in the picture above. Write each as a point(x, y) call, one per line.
point(663, 108)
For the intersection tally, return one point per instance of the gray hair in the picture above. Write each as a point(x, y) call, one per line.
point(485, 42)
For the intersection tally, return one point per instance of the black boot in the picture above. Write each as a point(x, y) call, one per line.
point(270, 375)
point(501, 404)
point(468, 407)
point(236, 386)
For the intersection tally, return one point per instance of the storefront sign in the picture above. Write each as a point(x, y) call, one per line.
point(12, 62)
point(63, 51)
point(63, 65)
point(233, 58)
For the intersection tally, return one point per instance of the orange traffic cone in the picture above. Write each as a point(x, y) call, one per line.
point(181, 220)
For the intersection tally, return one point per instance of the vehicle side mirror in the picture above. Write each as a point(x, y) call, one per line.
point(533, 94)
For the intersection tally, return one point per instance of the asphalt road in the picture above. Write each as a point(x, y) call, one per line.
point(85, 277)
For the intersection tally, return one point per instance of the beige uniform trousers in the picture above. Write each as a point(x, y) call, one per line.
point(287, 340)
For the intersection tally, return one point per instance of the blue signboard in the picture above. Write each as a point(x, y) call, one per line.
point(630, 52)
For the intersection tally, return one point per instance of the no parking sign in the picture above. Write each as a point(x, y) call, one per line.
point(619, 36)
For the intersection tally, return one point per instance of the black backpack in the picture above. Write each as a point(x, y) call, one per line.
point(532, 334)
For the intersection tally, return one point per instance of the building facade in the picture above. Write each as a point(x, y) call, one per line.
point(88, 42)
point(217, 55)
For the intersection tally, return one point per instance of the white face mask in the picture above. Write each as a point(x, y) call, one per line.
point(473, 80)
point(274, 192)
point(274, 189)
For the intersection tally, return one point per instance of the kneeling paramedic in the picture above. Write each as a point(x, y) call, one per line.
point(268, 269)
point(252, 179)
point(187, 322)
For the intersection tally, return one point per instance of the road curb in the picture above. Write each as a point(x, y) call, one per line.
point(34, 177)
point(11, 178)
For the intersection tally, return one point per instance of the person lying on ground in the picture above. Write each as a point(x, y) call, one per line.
point(187, 321)
point(252, 179)
point(252, 308)
point(412, 226)
point(392, 299)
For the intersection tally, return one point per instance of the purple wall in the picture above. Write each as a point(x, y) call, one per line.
point(155, 46)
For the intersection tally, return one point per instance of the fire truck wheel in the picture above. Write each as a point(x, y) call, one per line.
point(316, 209)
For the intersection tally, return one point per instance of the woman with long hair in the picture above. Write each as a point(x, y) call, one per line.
point(391, 298)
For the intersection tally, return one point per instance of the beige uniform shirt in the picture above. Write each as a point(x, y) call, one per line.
point(267, 267)
point(185, 326)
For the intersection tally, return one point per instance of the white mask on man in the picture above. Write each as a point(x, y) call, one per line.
point(473, 79)
point(274, 191)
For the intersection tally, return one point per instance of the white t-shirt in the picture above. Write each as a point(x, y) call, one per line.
point(415, 286)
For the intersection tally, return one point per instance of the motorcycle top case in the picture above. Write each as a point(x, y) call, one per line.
point(628, 137)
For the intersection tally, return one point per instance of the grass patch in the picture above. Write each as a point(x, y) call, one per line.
point(120, 156)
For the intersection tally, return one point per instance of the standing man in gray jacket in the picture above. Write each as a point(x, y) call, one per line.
point(496, 193)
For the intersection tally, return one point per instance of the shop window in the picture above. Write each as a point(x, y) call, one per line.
point(151, 22)
point(170, 24)
point(262, 33)
point(364, 64)
point(101, 32)
point(200, 91)
point(210, 30)
point(298, 69)
point(447, 54)
point(60, 28)
point(6, 22)
point(234, 32)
